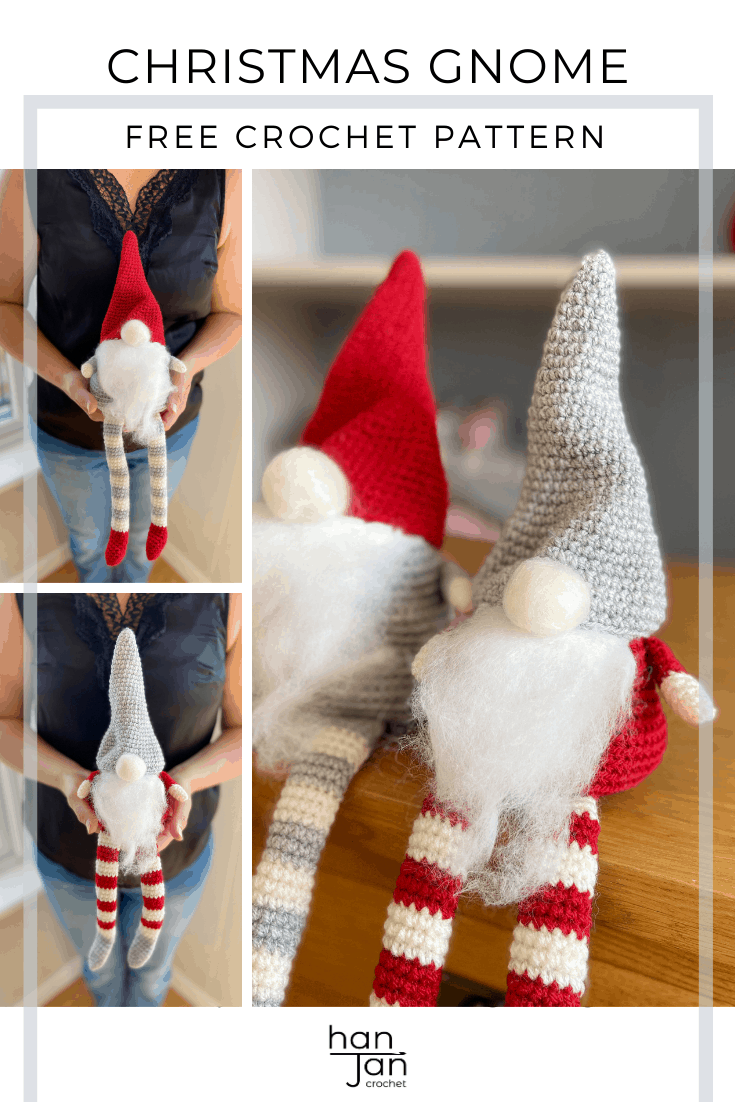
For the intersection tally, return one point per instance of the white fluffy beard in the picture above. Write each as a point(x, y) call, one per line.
point(322, 594)
point(131, 813)
point(514, 727)
point(138, 382)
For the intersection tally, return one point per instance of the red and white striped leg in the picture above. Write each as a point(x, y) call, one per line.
point(105, 881)
point(548, 957)
point(151, 920)
point(419, 923)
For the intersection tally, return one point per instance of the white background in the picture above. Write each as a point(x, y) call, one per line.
point(631, 138)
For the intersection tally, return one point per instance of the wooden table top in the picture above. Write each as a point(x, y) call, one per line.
point(645, 944)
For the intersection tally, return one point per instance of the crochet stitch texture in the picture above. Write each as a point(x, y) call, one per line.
point(584, 500)
point(354, 707)
point(130, 730)
point(132, 297)
point(376, 417)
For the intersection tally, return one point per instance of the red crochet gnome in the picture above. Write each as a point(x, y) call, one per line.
point(348, 585)
point(547, 698)
point(132, 798)
point(130, 378)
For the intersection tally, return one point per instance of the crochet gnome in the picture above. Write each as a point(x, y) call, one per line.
point(348, 585)
point(132, 798)
point(130, 378)
point(547, 698)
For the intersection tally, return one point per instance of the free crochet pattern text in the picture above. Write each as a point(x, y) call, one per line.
point(483, 69)
point(400, 136)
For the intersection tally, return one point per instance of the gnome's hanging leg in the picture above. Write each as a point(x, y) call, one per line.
point(548, 957)
point(419, 923)
point(158, 471)
point(120, 485)
point(105, 880)
point(151, 920)
point(284, 879)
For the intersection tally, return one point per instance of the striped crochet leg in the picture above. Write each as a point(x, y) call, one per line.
point(105, 882)
point(419, 923)
point(151, 920)
point(548, 957)
point(158, 471)
point(284, 879)
point(120, 485)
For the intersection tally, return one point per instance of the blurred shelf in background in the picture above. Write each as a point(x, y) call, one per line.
point(349, 278)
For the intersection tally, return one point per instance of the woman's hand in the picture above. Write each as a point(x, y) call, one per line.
point(179, 397)
point(174, 829)
point(68, 784)
point(73, 383)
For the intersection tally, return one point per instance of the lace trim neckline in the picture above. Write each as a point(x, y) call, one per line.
point(151, 219)
point(93, 628)
point(114, 617)
point(131, 218)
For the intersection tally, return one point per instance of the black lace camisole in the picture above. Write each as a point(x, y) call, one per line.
point(82, 216)
point(182, 640)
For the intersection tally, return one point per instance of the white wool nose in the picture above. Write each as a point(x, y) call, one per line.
point(135, 332)
point(130, 767)
point(305, 485)
point(546, 598)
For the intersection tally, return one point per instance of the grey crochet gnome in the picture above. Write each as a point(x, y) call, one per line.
point(547, 698)
point(132, 798)
point(348, 585)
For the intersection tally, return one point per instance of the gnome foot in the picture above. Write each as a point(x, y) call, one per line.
point(100, 951)
point(117, 545)
point(548, 957)
point(156, 541)
point(141, 950)
point(151, 920)
point(284, 879)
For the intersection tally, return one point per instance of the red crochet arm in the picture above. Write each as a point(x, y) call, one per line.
point(171, 803)
point(90, 778)
point(661, 659)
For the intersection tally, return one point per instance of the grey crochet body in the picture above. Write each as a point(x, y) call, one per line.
point(378, 689)
point(130, 730)
point(584, 500)
point(359, 702)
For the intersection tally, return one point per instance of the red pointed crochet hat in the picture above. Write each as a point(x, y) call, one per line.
point(132, 299)
point(376, 417)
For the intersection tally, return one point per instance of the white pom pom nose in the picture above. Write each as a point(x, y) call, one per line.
point(544, 597)
point(135, 332)
point(130, 767)
point(304, 485)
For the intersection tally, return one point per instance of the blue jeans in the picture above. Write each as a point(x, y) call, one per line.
point(74, 903)
point(80, 483)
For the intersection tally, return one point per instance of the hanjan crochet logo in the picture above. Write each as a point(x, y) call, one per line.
point(376, 1064)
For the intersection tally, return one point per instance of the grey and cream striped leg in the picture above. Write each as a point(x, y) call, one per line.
point(158, 471)
point(120, 486)
point(284, 880)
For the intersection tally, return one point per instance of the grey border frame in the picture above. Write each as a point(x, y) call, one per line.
point(704, 106)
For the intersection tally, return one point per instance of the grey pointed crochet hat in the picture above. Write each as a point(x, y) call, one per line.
point(584, 500)
point(130, 730)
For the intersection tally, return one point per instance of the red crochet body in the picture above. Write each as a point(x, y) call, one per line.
point(638, 749)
